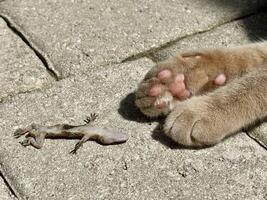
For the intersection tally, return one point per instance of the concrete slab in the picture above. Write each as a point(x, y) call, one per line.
point(230, 34)
point(20, 69)
point(260, 134)
point(148, 166)
point(75, 33)
point(5, 194)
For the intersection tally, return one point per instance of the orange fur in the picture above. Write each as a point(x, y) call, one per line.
point(214, 112)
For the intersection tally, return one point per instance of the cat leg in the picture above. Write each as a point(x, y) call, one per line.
point(175, 80)
point(195, 73)
point(206, 120)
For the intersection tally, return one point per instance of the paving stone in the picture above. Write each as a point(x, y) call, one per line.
point(20, 69)
point(77, 33)
point(260, 134)
point(5, 194)
point(230, 34)
point(148, 166)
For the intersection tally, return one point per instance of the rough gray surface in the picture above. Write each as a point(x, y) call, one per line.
point(5, 194)
point(229, 34)
point(20, 68)
point(75, 33)
point(260, 134)
point(78, 36)
point(148, 166)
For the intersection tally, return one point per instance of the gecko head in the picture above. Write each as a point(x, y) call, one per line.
point(113, 137)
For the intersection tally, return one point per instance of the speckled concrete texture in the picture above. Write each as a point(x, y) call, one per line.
point(85, 42)
point(20, 69)
point(148, 166)
point(5, 194)
point(75, 33)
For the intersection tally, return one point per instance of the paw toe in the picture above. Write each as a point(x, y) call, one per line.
point(179, 127)
point(155, 90)
point(164, 75)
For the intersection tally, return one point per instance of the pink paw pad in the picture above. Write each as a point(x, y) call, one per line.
point(155, 91)
point(164, 75)
point(177, 88)
point(220, 79)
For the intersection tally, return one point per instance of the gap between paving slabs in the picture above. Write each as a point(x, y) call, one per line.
point(82, 32)
point(55, 74)
point(8, 183)
point(148, 53)
point(39, 53)
point(151, 53)
point(16, 37)
point(21, 70)
point(13, 194)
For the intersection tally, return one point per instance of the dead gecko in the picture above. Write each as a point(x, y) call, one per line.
point(36, 134)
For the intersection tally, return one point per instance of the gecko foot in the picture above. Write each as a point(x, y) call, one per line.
point(77, 146)
point(25, 142)
point(91, 118)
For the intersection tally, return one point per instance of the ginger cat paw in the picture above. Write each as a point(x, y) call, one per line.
point(194, 123)
point(176, 80)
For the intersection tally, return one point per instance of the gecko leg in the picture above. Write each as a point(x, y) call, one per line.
point(80, 143)
point(35, 139)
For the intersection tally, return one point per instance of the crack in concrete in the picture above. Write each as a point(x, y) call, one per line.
point(257, 140)
point(6, 98)
point(40, 54)
point(8, 184)
point(150, 53)
point(145, 54)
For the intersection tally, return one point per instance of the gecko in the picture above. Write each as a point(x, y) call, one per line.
point(35, 134)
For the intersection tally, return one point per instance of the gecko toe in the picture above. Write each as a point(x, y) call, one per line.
point(25, 142)
point(91, 118)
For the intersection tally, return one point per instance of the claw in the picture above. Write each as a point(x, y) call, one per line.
point(91, 118)
point(25, 142)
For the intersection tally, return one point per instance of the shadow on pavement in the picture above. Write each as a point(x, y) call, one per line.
point(256, 28)
point(129, 111)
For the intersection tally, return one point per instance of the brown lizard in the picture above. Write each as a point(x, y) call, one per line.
point(36, 134)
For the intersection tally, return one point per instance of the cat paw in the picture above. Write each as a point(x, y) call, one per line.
point(196, 123)
point(176, 80)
